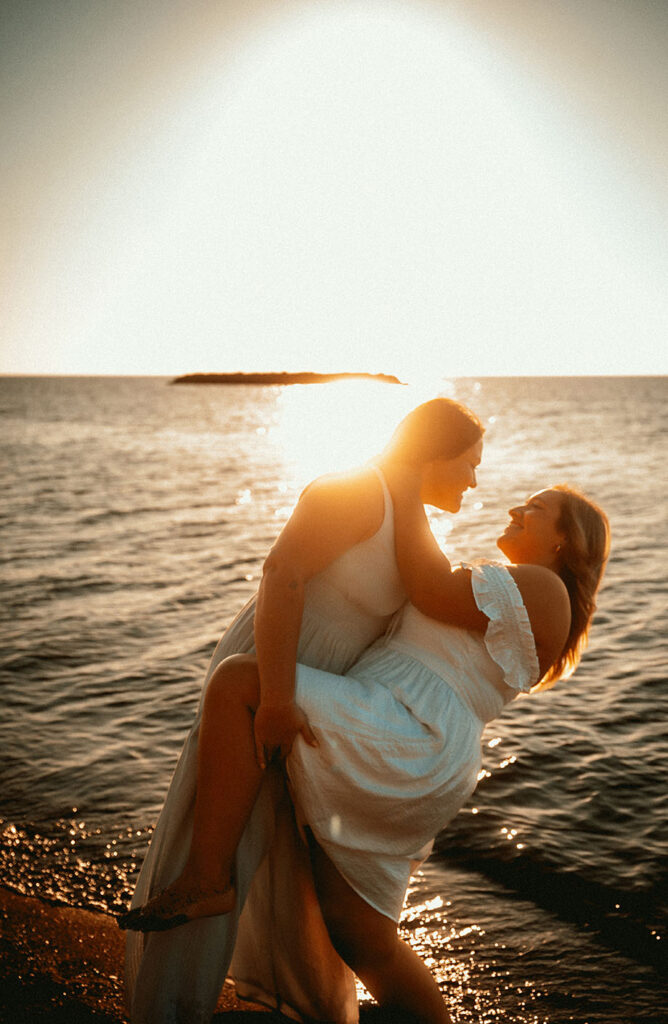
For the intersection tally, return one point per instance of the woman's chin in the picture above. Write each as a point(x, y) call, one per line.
point(448, 504)
point(503, 545)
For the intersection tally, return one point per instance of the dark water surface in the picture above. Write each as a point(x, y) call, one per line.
point(134, 521)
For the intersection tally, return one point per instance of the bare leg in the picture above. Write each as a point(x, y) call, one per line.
point(228, 775)
point(228, 781)
point(368, 942)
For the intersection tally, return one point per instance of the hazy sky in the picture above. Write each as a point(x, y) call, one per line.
point(430, 188)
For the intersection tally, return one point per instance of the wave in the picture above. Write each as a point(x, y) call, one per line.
point(634, 924)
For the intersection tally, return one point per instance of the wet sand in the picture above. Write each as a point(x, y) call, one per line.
point(60, 965)
point(65, 966)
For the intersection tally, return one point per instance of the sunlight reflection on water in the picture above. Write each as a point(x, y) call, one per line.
point(137, 518)
point(457, 953)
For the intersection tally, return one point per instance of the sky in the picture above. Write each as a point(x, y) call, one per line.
point(428, 188)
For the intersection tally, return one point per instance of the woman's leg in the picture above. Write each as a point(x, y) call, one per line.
point(228, 781)
point(369, 943)
point(228, 775)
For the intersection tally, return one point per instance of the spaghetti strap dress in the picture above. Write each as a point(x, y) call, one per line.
point(274, 944)
point(399, 736)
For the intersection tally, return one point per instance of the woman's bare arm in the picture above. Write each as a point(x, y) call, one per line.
point(430, 581)
point(548, 606)
point(446, 595)
point(333, 515)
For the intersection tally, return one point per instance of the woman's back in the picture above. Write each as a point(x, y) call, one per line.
point(350, 603)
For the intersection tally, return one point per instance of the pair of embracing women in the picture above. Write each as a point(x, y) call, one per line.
point(329, 749)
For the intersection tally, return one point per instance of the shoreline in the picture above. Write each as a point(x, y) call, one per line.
point(63, 965)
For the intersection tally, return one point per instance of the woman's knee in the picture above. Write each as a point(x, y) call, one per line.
point(235, 678)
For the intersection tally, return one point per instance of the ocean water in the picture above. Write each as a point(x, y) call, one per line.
point(134, 521)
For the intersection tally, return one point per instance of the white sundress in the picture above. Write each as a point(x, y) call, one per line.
point(399, 736)
point(282, 953)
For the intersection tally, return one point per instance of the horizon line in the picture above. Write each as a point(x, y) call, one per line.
point(7, 375)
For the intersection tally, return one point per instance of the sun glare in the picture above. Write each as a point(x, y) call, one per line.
point(343, 186)
point(327, 428)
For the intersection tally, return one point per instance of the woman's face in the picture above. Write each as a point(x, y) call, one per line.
point(445, 480)
point(531, 536)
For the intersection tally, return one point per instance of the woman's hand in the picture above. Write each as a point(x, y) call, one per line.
point(276, 727)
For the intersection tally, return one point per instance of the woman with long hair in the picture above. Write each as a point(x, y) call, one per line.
point(394, 746)
point(329, 589)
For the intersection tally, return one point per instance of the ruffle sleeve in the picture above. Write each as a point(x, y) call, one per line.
point(508, 638)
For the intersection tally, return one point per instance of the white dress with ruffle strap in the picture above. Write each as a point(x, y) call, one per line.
point(399, 736)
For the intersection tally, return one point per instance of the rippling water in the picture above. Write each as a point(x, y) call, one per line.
point(134, 521)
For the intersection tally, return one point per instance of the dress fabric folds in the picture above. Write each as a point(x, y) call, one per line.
point(399, 748)
point(274, 945)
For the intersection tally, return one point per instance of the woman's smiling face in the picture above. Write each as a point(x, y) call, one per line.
point(532, 536)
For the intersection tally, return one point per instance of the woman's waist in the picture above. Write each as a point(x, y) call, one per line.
point(473, 690)
point(334, 644)
point(348, 598)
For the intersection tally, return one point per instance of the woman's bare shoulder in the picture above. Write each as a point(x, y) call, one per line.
point(548, 606)
point(334, 513)
point(538, 582)
point(361, 484)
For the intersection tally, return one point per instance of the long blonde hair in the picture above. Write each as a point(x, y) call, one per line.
point(583, 555)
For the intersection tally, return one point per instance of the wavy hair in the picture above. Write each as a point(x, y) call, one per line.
point(583, 554)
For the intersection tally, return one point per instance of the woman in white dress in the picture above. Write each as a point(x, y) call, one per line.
point(329, 589)
point(398, 736)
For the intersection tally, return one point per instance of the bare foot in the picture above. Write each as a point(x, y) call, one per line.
point(178, 904)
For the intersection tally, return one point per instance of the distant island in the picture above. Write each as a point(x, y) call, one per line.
point(279, 378)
